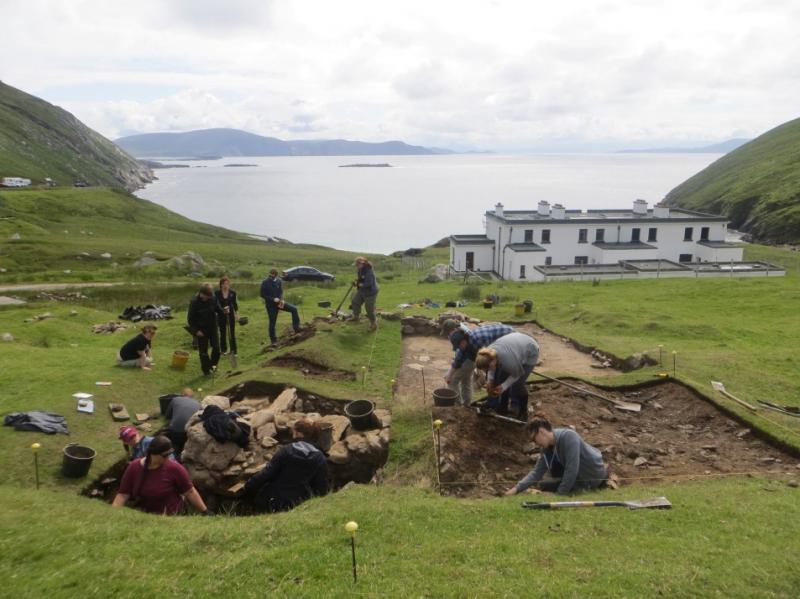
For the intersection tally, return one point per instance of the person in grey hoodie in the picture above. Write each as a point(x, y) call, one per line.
point(508, 362)
point(572, 463)
point(366, 292)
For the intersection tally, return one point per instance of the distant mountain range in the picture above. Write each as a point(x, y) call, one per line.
point(39, 141)
point(234, 142)
point(720, 148)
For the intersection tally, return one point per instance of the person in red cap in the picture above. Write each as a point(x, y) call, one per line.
point(134, 442)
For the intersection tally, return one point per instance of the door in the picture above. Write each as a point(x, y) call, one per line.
point(470, 260)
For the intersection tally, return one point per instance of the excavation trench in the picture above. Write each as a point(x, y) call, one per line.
point(678, 434)
point(270, 410)
point(309, 368)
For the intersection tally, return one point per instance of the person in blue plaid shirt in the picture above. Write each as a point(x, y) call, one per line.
point(466, 344)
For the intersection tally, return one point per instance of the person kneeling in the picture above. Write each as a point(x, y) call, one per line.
point(573, 464)
point(296, 472)
point(158, 484)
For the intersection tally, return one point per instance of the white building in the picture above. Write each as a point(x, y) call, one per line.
point(555, 243)
point(14, 182)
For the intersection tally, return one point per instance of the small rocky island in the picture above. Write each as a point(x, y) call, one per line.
point(367, 165)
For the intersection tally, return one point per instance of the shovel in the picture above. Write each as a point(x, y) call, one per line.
point(657, 503)
point(620, 405)
point(721, 388)
point(341, 303)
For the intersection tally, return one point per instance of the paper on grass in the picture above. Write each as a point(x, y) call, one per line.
point(82, 395)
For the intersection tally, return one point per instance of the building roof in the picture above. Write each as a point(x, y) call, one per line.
point(718, 244)
point(526, 247)
point(477, 239)
point(603, 217)
point(631, 245)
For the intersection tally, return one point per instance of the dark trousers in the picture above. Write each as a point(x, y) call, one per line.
point(210, 339)
point(518, 393)
point(227, 323)
point(272, 312)
point(178, 441)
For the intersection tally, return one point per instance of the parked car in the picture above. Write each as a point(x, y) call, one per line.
point(306, 273)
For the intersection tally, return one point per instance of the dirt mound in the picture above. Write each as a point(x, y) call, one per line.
point(310, 368)
point(677, 434)
point(306, 332)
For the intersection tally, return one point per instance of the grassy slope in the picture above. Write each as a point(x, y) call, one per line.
point(39, 140)
point(756, 185)
point(724, 537)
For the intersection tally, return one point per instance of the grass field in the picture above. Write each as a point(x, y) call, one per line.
point(724, 537)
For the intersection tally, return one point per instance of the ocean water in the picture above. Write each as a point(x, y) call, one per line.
point(413, 204)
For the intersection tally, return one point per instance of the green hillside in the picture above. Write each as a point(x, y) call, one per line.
point(756, 185)
point(39, 140)
point(67, 234)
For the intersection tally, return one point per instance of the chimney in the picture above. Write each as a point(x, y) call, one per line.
point(544, 208)
point(661, 211)
point(639, 207)
point(498, 210)
point(559, 211)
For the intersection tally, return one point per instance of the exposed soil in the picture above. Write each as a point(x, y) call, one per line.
point(678, 434)
point(432, 356)
point(287, 340)
point(309, 368)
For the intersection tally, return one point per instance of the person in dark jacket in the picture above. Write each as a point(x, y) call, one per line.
point(297, 472)
point(227, 301)
point(272, 293)
point(366, 292)
point(136, 353)
point(202, 321)
point(571, 462)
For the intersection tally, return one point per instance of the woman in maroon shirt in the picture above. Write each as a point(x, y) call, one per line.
point(158, 484)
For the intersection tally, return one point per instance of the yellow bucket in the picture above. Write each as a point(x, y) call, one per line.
point(179, 359)
point(519, 309)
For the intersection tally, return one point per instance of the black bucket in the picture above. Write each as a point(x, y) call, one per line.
point(77, 460)
point(324, 304)
point(164, 401)
point(444, 397)
point(360, 413)
point(528, 306)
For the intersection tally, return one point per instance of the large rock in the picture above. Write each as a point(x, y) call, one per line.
point(144, 261)
point(216, 400)
point(203, 450)
point(419, 325)
point(341, 425)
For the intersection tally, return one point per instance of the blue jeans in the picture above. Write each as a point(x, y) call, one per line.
point(272, 312)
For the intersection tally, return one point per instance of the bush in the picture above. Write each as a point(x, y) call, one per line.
point(471, 292)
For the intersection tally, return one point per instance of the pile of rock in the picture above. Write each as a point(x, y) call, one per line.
point(419, 325)
point(218, 467)
point(108, 327)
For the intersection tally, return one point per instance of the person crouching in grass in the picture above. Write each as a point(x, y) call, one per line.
point(136, 353)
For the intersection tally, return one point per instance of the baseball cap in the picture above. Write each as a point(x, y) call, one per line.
point(456, 337)
point(127, 434)
point(448, 326)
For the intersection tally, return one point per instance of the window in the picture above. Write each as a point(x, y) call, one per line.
point(522, 271)
point(600, 235)
point(583, 235)
point(545, 235)
point(685, 258)
point(687, 234)
point(528, 235)
point(548, 261)
point(652, 234)
point(470, 260)
point(704, 233)
point(636, 235)
point(581, 259)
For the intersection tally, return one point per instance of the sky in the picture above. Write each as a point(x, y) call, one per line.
point(506, 76)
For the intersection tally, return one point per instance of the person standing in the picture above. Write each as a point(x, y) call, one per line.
point(508, 362)
point(227, 300)
point(136, 353)
point(272, 294)
point(571, 462)
point(202, 320)
point(366, 292)
point(466, 344)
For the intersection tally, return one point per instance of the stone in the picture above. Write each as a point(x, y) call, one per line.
point(267, 430)
point(216, 400)
point(145, 261)
point(640, 461)
point(260, 418)
point(268, 442)
point(407, 330)
point(284, 402)
point(384, 416)
point(73, 312)
point(15, 237)
point(106, 256)
point(142, 417)
point(8, 337)
point(357, 443)
point(792, 483)
point(202, 449)
point(338, 453)
point(341, 426)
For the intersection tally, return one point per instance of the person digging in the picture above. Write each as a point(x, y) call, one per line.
point(366, 292)
point(508, 362)
point(272, 294)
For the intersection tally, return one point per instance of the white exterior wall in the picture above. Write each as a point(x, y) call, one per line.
point(483, 256)
point(529, 260)
point(710, 254)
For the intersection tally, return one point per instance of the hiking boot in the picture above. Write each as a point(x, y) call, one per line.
point(373, 325)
